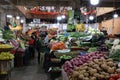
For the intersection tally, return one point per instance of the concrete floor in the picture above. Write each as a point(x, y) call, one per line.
point(31, 72)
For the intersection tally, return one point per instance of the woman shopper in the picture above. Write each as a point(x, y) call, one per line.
point(40, 46)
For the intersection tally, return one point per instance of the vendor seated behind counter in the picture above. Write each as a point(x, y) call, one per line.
point(104, 31)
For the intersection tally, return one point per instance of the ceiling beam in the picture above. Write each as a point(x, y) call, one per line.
point(103, 3)
point(16, 9)
point(41, 2)
point(107, 16)
point(2, 7)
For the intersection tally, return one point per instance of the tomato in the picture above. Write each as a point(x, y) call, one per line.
point(111, 79)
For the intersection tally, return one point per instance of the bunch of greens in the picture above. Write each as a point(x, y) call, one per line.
point(116, 55)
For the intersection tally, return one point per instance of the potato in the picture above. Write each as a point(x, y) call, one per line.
point(107, 74)
point(85, 78)
point(91, 63)
point(76, 68)
point(85, 64)
point(81, 68)
point(110, 63)
point(81, 76)
point(85, 68)
point(115, 64)
point(82, 71)
point(93, 78)
point(118, 71)
point(96, 61)
point(95, 70)
point(92, 71)
point(110, 59)
point(86, 74)
point(102, 60)
point(107, 77)
point(101, 76)
point(102, 73)
point(96, 75)
point(75, 74)
point(111, 70)
point(95, 65)
point(98, 68)
point(89, 68)
point(104, 66)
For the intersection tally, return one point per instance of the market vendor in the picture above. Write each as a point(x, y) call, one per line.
point(66, 42)
point(104, 31)
point(40, 46)
point(80, 27)
point(6, 27)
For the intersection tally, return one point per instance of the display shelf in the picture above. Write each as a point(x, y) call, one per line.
point(5, 69)
point(6, 65)
point(55, 60)
point(4, 77)
point(5, 49)
point(56, 70)
point(79, 48)
point(55, 73)
point(71, 53)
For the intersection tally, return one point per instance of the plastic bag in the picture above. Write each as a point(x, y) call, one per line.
point(22, 45)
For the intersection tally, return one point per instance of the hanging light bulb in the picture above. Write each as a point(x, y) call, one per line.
point(115, 15)
point(9, 16)
point(59, 18)
point(94, 2)
point(17, 17)
point(63, 16)
point(58, 23)
point(22, 21)
point(91, 17)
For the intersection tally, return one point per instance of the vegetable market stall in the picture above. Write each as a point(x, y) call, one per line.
point(58, 59)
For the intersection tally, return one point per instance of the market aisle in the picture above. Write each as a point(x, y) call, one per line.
point(31, 72)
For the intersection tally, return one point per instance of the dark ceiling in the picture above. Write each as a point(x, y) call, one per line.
point(75, 4)
point(103, 3)
point(57, 3)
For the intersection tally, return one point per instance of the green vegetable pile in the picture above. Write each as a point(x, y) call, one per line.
point(70, 27)
point(6, 34)
point(56, 69)
point(61, 38)
point(85, 44)
point(78, 34)
point(65, 57)
point(92, 49)
point(116, 55)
